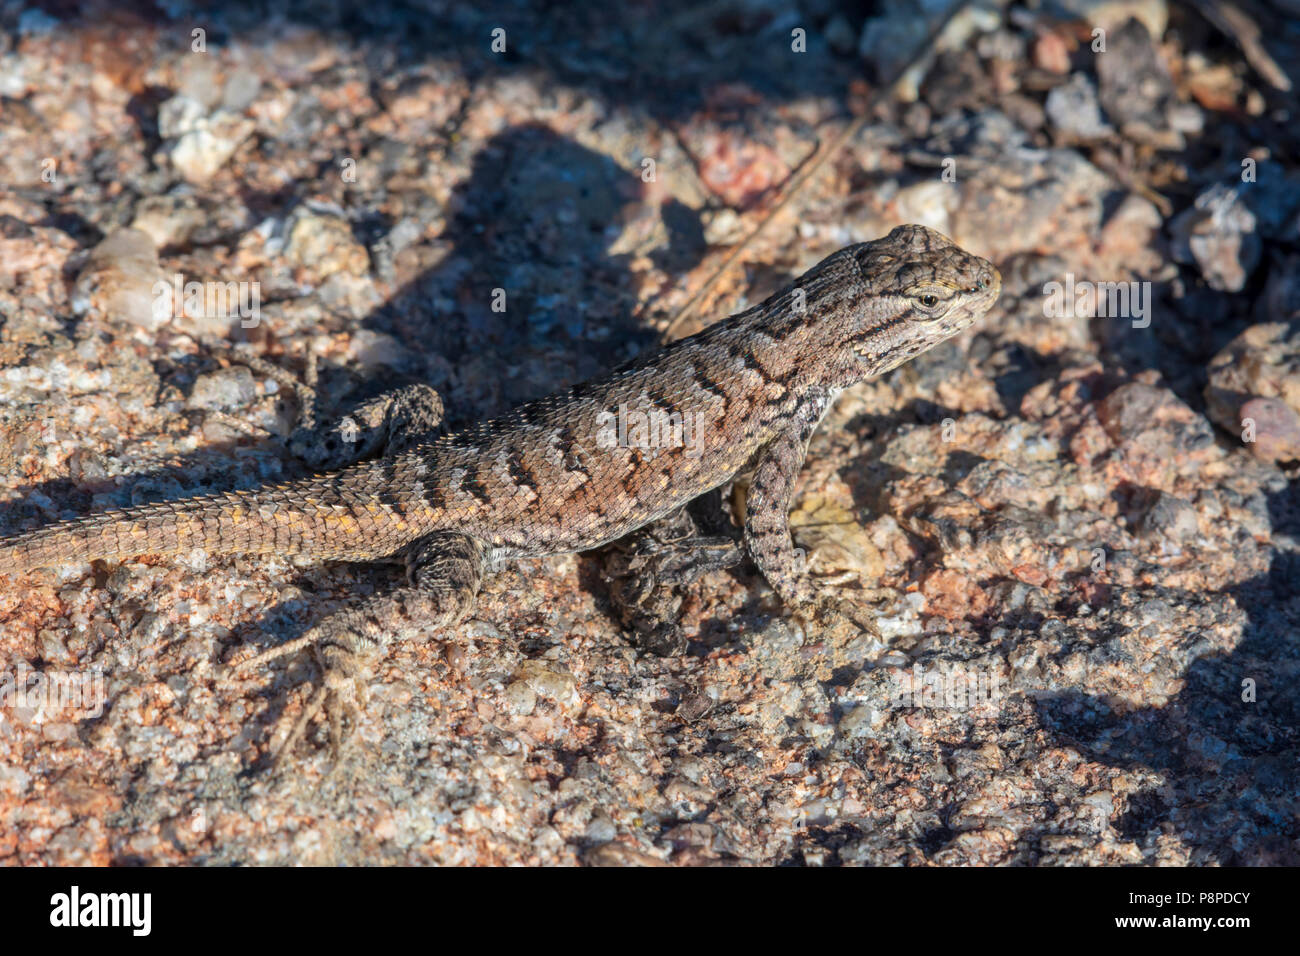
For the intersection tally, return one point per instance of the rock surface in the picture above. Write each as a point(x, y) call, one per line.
point(1088, 596)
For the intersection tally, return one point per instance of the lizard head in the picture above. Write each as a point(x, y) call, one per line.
point(896, 297)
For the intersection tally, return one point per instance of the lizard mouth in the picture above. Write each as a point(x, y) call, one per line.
point(923, 335)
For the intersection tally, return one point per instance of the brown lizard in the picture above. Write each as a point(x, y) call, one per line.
point(564, 473)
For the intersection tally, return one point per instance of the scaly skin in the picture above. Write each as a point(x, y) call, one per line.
point(554, 476)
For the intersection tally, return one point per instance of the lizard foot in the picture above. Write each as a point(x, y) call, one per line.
point(341, 695)
point(649, 570)
point(444, 571)
point(647, 578)
point(340, 692)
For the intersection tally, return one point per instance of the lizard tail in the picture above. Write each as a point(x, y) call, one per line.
point(328, 517)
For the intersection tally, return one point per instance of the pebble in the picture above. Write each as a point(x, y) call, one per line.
point(545, 681)
point(1276, 429)
point(1051, 52)
point(168, 220)
point(1256, 376)
point(225, 388)
point(118, 281)
point(1073, 109)
point(1218, 234)
point(324, 244)
point(520, 697)
point(1135, 87)
point(201, 142)
point(1169, 517)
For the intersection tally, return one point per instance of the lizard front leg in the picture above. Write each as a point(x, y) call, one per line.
point(767, 523)
point(444, 573)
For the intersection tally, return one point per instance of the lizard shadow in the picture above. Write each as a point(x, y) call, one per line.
point(530, 295)
point(867, 475)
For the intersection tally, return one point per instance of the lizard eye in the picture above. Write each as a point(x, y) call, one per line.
point(929, 301)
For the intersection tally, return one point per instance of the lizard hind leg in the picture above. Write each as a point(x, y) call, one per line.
point(444, 573)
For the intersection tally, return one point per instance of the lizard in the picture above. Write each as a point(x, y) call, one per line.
point(557, 475)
